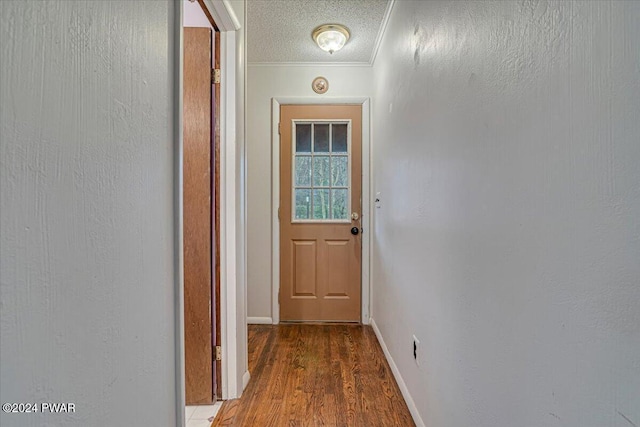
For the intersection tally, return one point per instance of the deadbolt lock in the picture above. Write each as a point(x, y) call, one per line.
point(355, 216)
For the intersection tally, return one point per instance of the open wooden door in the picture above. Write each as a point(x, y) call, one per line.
point(201, 219)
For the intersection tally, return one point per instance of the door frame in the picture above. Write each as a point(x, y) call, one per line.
point(365, 102)
point(228, 25)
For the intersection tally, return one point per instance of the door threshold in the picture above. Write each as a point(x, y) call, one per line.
point(320, 322)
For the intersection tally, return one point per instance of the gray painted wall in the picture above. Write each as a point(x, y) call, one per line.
point(86, 221)
point(507, 149)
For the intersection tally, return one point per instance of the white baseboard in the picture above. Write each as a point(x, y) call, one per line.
point(396, 373)
point(259, 320)
point(245, 379)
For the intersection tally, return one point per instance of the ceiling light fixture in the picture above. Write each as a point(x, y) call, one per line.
point(330, 37)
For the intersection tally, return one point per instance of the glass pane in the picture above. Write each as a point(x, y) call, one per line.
point(321, 171)
point(339, 204)
point(321, 138)
point(339, 138)
point(303, 204)
point(303, 138)
point(339, 171)
point(303, 171)
point(320, 204)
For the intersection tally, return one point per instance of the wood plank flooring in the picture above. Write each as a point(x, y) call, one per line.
point(316, 375)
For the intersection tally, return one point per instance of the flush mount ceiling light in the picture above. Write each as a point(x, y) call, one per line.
point(330, 37)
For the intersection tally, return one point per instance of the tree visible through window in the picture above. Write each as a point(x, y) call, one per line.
point(321, 171)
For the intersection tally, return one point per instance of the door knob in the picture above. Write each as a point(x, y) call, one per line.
point(355, 231)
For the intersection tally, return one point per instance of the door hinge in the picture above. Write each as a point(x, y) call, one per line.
point(218, 353)
point(215, 76)
point(279, 129)
point(278, 214)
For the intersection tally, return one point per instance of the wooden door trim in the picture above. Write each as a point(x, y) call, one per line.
point(216, 207)
point(206, 11)
point(366, 196)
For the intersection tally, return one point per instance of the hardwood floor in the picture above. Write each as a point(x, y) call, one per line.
point(316, 375)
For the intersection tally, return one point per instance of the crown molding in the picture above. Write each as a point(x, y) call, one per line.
point(308, 64)
point(381, 31)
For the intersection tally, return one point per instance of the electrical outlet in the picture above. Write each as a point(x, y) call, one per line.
point(416, 350)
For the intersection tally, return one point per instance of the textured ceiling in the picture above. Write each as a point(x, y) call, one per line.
point(280, 30)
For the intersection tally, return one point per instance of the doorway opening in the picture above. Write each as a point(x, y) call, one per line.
point(201, 212)
point(364, 216)
point(224, 243)
point(320, 213)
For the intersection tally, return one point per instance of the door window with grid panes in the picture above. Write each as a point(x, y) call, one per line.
point(321, 173)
